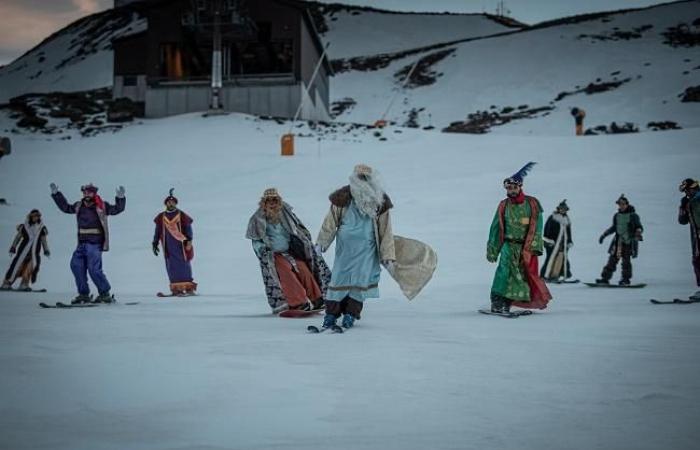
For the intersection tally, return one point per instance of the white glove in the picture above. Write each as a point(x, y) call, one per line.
point(318, 249)
point(121, 191)
point(54, 188)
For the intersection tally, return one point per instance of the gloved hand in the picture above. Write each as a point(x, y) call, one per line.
point(13, 250)
point(569, 245)
point(318, 249)
point(638, 235)
point(47, 253)
point(389, 265)
point(188, 245)
point(121, 191)
point(684, 202)
point(491, 259)
point(601, 238)
point(156, 250)
point(54, 188)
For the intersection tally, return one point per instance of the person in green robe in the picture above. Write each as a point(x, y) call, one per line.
point(516, 236)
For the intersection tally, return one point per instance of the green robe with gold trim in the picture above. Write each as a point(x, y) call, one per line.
point(510, 280)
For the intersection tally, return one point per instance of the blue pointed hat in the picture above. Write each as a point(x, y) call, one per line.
point(517, 177)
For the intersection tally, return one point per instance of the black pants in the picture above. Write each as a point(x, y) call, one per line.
point(625, 254)
point(345, 306)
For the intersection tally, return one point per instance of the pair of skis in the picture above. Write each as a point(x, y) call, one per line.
point(24, 290)
point(61, 305)
point(313, 329)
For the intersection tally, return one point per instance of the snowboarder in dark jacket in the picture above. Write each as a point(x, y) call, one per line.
point(93, 239)
point(627, 229)
point(689, 214)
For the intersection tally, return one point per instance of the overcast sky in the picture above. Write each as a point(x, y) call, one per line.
point(26, 22)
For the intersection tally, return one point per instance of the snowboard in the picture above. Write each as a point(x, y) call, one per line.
point(296, 313)
point(164, 295)
point(601, 285)
point(675, 301)
point(563, 281)
point(510, 315)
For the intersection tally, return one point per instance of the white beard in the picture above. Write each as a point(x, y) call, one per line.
point(368, 195)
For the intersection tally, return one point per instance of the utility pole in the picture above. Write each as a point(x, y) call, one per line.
point(216, 66)
point(501, 10)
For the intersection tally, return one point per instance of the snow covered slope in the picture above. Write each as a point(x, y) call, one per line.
point(599, 369)
point(640, 60)
point(631, 67)
point(76, 58)
point(353, 31)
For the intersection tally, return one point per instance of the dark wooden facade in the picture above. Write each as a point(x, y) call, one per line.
point(264, 43)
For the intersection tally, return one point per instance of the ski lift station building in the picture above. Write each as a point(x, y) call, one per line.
point(261, 55)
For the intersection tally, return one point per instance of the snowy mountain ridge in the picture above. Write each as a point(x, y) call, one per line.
point(475, 73)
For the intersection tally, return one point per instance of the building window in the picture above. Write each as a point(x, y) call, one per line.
point(171, 61)
point(259, 58)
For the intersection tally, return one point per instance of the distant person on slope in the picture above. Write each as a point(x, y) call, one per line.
point(26, 248)
point(93, 238)
point(293, 270)
point(578, 114)
point(174, 232)
point(359, 222)
point(557, 241)
point(516, 235)
point(627, 229)
point(689, 213)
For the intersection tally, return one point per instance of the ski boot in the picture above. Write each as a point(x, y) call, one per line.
point(329, 321)
point(497, 305)
point(105, 297)
point(348, 321)
point(81, 299)
point(602, 281)
point(624, 283)
point(317, 304)
point(6, 287)
point(24, 288)
point(506, 307)
point(695, 296)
